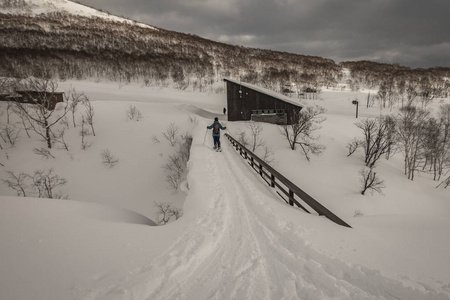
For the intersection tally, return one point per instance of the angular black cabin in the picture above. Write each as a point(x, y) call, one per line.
point(246, 102)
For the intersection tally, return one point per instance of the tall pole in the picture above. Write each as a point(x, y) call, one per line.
point(355, 102)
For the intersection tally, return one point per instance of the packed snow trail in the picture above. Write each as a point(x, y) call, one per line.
point(237, 247)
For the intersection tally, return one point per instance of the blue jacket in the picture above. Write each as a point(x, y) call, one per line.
point(212, 126)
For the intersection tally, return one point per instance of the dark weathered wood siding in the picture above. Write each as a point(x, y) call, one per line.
point(47, 99)
point(241, 100)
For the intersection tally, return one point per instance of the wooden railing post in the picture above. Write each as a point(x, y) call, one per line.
point(291, 197)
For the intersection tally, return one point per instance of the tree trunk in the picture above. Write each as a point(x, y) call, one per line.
point(47, 135)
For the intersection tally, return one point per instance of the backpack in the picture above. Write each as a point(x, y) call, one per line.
point(216, 128)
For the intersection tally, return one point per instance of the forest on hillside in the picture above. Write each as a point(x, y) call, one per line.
point(63, 46)
point(60, 45)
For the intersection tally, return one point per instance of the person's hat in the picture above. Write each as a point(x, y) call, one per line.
point(216, 119)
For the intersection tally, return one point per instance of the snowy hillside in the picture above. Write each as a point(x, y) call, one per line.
point(36, 7)
point(236, 239)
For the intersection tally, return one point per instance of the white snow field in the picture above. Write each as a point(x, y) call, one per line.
point(236, 239)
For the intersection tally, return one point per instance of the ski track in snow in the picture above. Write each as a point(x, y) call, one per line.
point(238, 249)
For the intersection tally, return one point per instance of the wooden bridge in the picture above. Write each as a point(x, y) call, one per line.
point(290, 190)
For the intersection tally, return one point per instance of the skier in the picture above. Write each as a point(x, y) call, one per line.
point(216, 126)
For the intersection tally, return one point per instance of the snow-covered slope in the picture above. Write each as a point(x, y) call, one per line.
point(35, 7)
point(236, 239)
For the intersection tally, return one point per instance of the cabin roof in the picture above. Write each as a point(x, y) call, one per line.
point(265, 91)
point(35, 91)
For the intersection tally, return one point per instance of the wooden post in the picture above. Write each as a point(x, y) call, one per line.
point(291, 197)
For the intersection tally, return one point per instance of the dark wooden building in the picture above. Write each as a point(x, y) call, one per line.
point(249, 102)
point(47, 99)
point(4, 97)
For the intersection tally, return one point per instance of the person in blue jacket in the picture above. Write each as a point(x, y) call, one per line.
point(216, 127)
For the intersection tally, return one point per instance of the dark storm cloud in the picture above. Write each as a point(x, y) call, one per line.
point(412, 33)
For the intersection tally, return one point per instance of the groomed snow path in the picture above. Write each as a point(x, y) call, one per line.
point(241, 242)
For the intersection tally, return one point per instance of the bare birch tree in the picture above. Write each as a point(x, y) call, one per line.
point(75, 99)
point(378, 138)
point(89, 113)
point(370, 181)
point(39, 115)
point(411, 136)
point(302, 132)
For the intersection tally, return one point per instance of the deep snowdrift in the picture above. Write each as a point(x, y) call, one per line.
point(236, 239)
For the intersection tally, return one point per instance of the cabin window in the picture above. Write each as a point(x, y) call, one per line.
point(268, 111)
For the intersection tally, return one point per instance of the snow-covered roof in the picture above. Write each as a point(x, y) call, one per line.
point(265, 91)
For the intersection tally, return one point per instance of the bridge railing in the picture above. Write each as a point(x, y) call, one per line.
point(294, 194)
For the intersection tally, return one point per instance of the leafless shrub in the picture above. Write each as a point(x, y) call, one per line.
point(45, 153)
point(255, 143)
point(446, 182)
point(155, 139)
point(176, 165)
point(302, 133)
point(242, 138)
point(353, 146)
point(17, 182)
point(176, 213)
point(171, 134)
point(193, 119)
point(174, 180)
point(89, 113)
point(267, 155)
point(59, 139)
point(9, 108)
point(175, 169)
point(133, 113)
point(256, 140)
point(108, 159)
point(23, 117)
point(358, 213)
point(165, 212)
point(75, 99)
point(64, 122)
point(370, 181)
point(84, 131)
point(41, 184)
point(10, 134)
point(45, 182)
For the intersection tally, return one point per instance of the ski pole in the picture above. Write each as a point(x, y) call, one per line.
point(204, 139)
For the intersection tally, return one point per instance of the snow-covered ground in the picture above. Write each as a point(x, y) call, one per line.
point(236, 239)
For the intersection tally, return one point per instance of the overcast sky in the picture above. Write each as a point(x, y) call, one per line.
point(414, 33)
